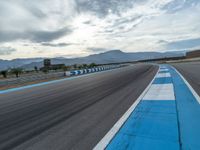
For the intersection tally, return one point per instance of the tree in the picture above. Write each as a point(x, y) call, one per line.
point(80, 66)
point(4, 73)
point(66, 68)
point(92, 65)
point(17, 71)
point(36, 68)
point(85, 66)
point(75, 66)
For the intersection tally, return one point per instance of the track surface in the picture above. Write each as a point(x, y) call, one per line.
point(73, 114)
point(191, 71)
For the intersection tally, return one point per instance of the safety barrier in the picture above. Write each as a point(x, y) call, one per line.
point(91, 70)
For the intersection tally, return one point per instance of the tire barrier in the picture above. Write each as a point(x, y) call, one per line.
point(91, 70)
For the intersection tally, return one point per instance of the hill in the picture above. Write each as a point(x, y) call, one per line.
point(113, 56)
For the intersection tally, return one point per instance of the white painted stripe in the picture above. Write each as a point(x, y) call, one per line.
point(164, 69)
point(189, 86)
point(160, 92)
point(161, 75)
point(81, 71)
point(112, 132)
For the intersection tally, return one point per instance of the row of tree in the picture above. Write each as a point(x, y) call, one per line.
point(84, 66)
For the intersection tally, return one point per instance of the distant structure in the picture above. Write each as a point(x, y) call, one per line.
point(162, 59)
point(49, 66)
point(193, 54)
point(47, 62)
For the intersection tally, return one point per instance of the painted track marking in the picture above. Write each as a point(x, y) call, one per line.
point(113, 131)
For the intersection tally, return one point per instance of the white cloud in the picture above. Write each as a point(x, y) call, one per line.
point(6, 50)
point(130, 25)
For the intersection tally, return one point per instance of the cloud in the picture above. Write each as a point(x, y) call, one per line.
point(34, 35)
point(184, 44)
point(97, 25)
point(178, 5)
point(36, 21)
point(105, 7)
point(87, 22)
point(6, 50)
point(96, 49)
point(34, 9)
point(45, 36)
point(56, 45)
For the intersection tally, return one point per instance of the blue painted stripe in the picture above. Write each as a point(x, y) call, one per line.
point(152, 126)
point(188, 114)
point(164, 80)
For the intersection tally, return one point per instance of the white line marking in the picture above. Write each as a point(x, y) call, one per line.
point(164, 69)
point(161, 75)
point(189, 86)
point(160, 92)
point(112, 132)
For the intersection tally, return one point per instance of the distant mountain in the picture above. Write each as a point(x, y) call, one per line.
point(112, 56)
point(5, 64)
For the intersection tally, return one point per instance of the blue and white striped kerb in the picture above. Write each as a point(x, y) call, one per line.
point(164, 117)
point(91, 70)
point(153, 123)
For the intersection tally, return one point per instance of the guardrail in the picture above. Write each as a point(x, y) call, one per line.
point(91, 70)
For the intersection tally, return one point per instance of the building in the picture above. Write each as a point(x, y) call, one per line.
point(49, 66)
point(193, 54)
point(47, 62)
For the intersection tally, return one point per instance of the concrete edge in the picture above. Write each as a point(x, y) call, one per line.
point(113, 131)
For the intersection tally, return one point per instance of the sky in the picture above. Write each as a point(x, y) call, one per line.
point(75, 28)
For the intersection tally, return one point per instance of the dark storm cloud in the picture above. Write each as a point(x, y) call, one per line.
point(34, 35)
point(6, 50)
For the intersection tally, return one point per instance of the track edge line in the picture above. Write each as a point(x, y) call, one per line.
point(102, 144)
point(197, 97)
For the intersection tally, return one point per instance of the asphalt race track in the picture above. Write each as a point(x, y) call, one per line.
point(72, 114)
point(191, 71)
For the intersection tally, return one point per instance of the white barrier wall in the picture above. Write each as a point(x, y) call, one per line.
point(96, 69)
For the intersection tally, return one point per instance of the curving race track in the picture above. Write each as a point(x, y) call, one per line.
point(72, 114)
